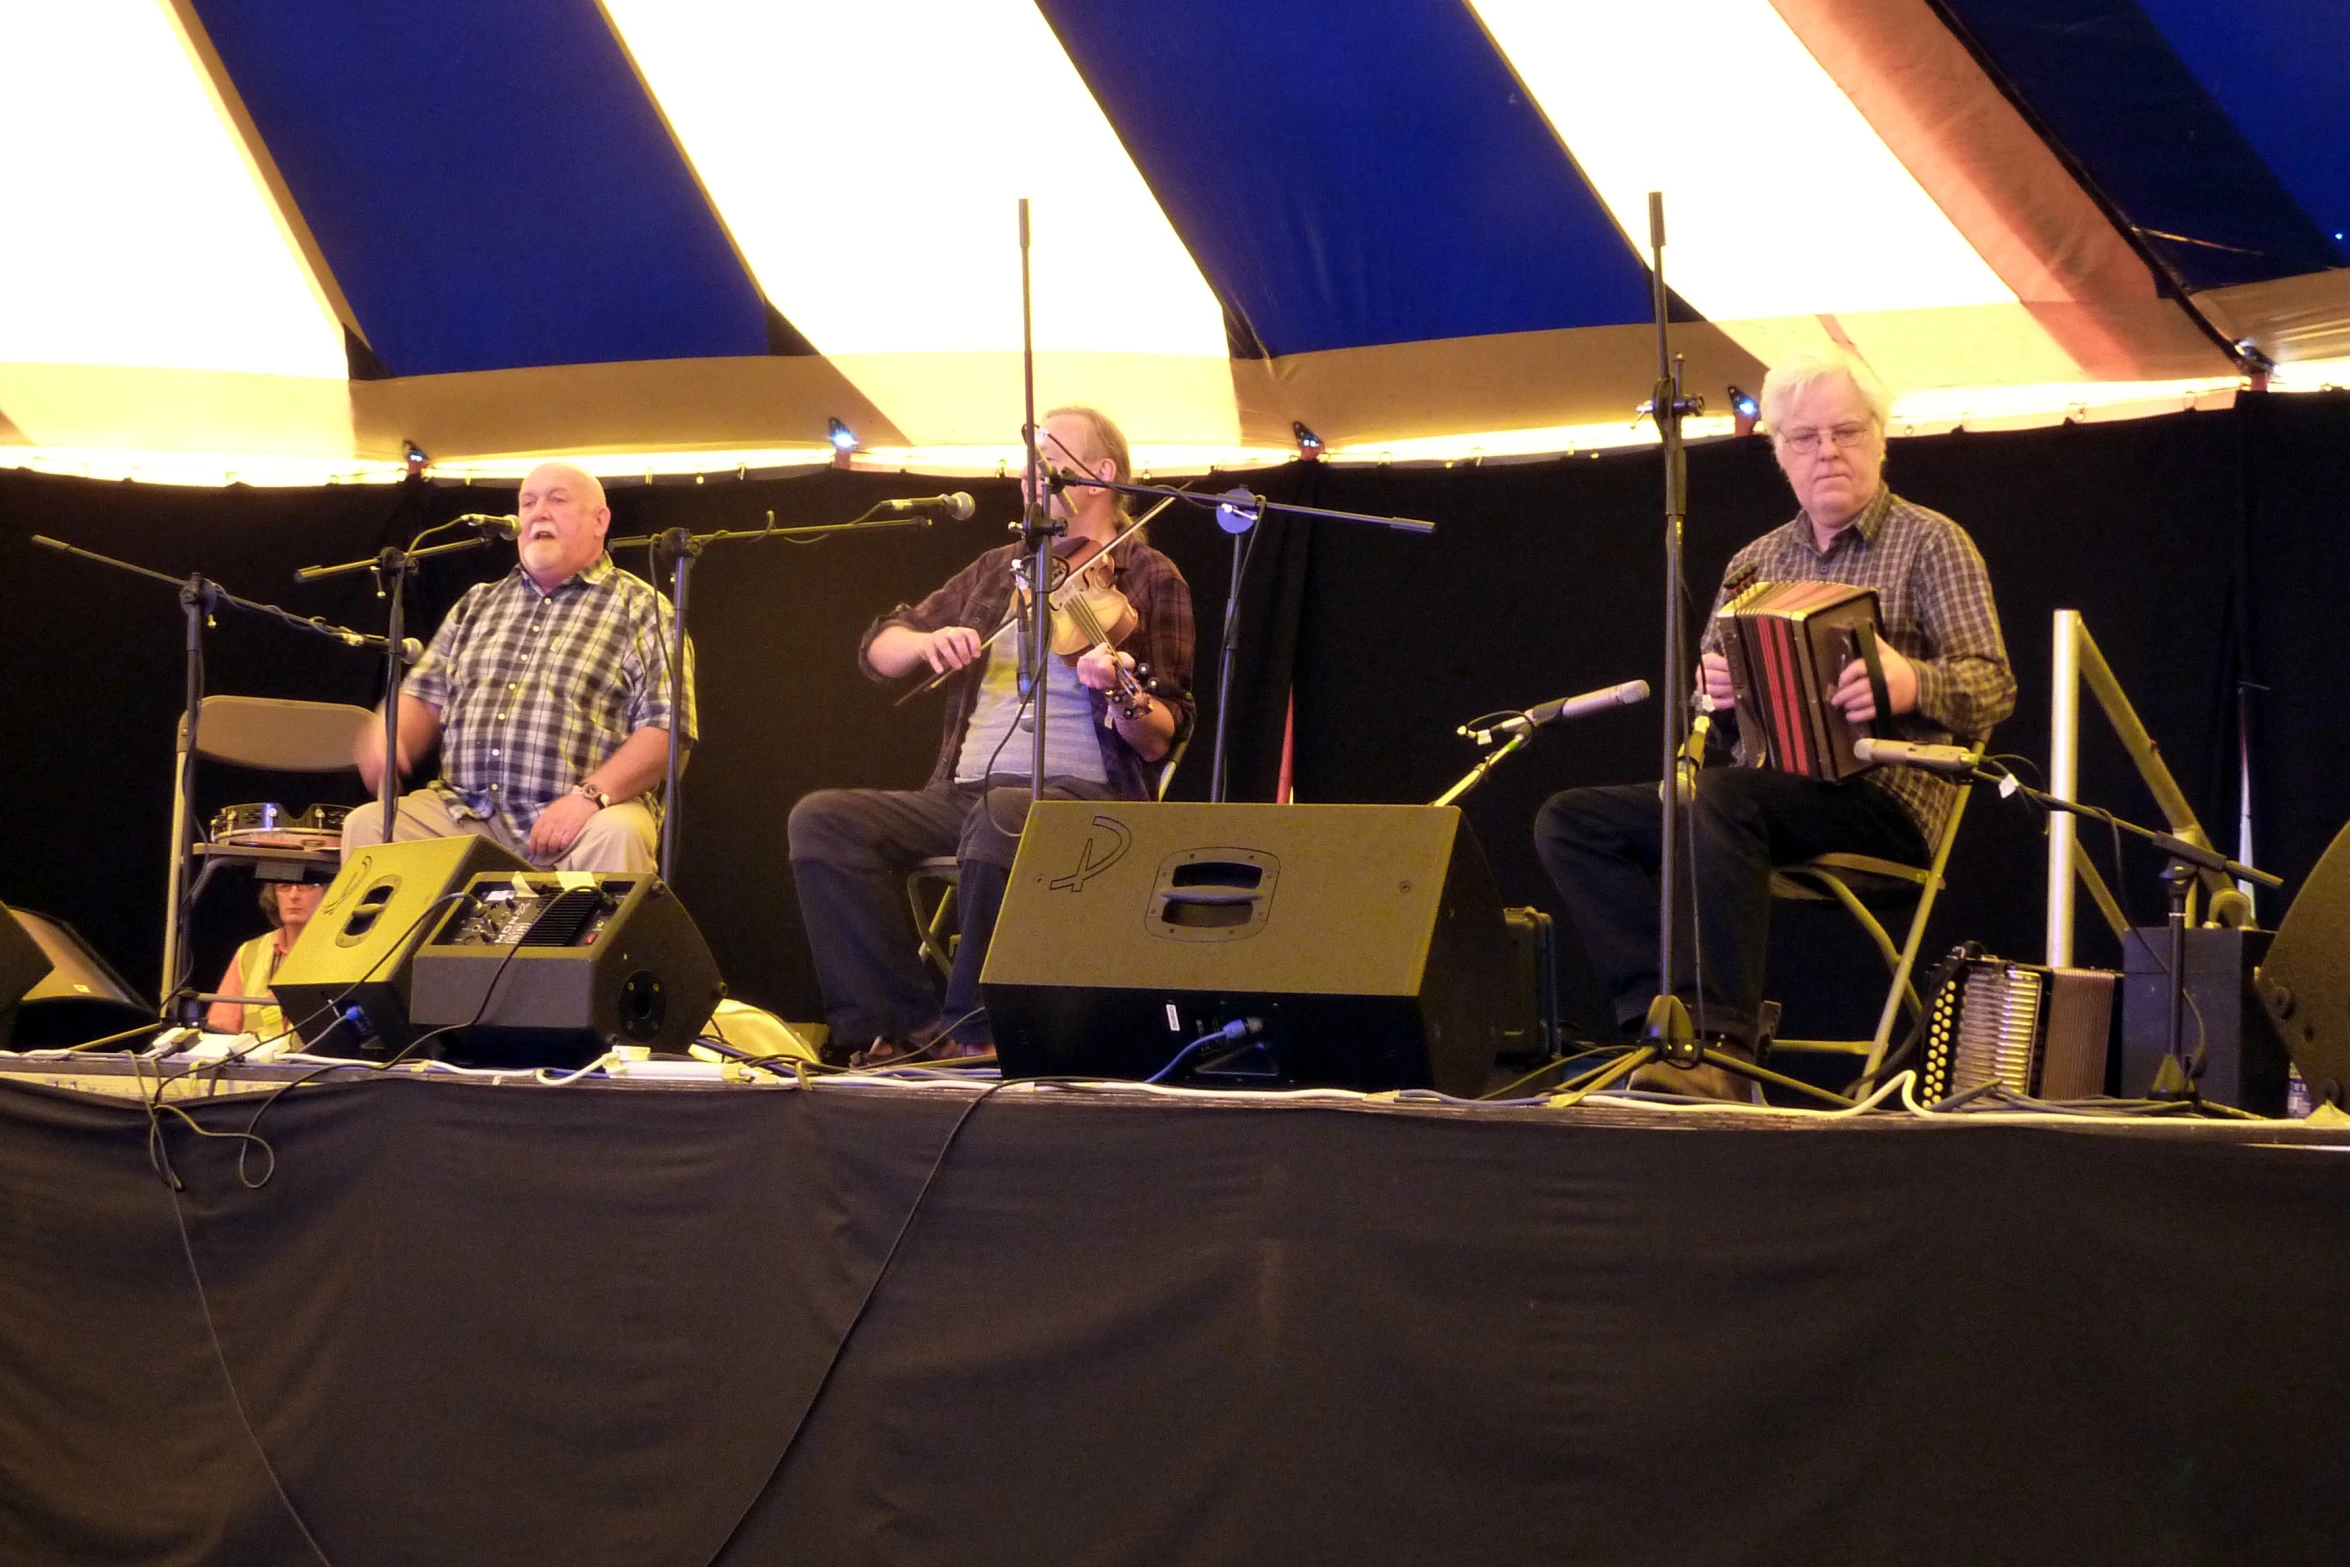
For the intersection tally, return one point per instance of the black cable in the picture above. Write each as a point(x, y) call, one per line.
point(864, 1305)
point(228, 1379)
point(333, 1003)
point(1552, 1065)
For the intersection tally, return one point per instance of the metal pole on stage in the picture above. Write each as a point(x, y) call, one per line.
point(1038, 528)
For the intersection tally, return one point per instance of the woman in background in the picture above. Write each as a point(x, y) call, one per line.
point(289, 905)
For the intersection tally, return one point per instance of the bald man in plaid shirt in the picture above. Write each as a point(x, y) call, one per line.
point(1946, 675)
point(550, 694)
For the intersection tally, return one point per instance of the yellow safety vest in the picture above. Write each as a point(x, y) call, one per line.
point(256, 967)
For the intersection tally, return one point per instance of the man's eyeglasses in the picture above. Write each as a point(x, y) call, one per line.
point(1843, 436)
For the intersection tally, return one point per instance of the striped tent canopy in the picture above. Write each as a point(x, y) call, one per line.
point(281, 240)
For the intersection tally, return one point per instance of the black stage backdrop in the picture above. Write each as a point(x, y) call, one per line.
point(600, 1325)
point(2204, 549)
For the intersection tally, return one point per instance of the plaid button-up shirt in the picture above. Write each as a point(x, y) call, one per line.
point(980, 596)
point(1934, 602)
point(536, 689)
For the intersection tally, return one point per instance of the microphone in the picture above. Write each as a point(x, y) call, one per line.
point(410, 649)
point(494, 527)
point(957, 507)
point(1565, 709)
point(1934, 758)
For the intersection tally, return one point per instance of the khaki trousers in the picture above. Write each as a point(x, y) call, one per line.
point(618, 838)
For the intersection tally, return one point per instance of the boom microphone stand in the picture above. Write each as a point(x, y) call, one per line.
point(2187, 861)
point(1038, 528)
point(1247, 508)
point(391, 565)
point(679, 549)
point(199, 596)
point(1666, 1034)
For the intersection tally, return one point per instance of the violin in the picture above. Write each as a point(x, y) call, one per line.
point(1090, 615)
point(1108, 613)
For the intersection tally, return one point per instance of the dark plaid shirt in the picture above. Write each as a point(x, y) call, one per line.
point(1934, 601)
point(536, 689)
point(980, 596)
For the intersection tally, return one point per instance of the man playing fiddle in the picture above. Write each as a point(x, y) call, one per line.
point(1946, 676)
point(851, 849)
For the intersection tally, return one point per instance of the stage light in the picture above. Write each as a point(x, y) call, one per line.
point(844, 441)
point(1744, 410)
point(2257, 365)
point(1309, 445)
point(417, 458)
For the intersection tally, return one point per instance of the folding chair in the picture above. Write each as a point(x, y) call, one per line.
point(274, 734)
point(1856, 881)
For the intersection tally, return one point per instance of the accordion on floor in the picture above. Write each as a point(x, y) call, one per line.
point(2040, 1032)
point(1787, 644)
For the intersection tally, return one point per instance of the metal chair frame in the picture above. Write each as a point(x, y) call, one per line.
point(1852, 880)
point(274, 734)
point(935, 935)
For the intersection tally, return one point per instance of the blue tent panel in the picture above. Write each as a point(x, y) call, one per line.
point(2281, 69)
point(2119, 99)
point(1353, 172)
point(490, 184)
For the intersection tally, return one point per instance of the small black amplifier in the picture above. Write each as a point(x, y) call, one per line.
point(553, 968)
point(1530, 1029)
point(2244, 1062)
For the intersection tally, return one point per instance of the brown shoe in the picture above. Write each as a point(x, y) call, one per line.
point(1702, 1081)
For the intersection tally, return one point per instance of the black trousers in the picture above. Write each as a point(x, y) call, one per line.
point(1602, 849)
point(851, 850)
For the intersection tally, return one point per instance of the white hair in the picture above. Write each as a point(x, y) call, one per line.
point(1805, 368)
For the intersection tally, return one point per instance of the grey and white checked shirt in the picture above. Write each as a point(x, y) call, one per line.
point(1934, 601)
point(536, 689)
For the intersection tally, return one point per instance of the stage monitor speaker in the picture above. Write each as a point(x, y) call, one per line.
point(554, 968)
point(23, 964)
point(55, 990)
point(2303, 981)
point(344, 987)
point(1367, 940)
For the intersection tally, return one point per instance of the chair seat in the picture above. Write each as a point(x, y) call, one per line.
point(1869, 879)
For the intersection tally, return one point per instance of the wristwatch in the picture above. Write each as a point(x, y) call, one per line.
point(583, 787)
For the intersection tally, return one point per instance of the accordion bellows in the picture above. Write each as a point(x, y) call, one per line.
point(1788, 643)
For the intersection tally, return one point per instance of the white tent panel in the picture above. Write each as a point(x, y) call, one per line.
point(1780, 200)
point(879, 213)
point(143, 235)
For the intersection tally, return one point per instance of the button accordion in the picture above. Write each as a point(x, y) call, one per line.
point(1788, 644)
